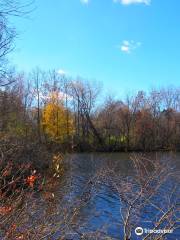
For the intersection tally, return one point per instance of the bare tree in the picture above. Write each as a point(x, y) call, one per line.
point(9, 8)
point(143, 193)
point(85, 95)
point(37, 77)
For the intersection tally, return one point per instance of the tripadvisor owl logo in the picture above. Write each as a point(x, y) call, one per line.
point(139, 231)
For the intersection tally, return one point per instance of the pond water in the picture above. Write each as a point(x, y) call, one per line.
point(98, 208)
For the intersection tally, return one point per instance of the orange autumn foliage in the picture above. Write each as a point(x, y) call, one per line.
point(5, 210)
point(31, 180)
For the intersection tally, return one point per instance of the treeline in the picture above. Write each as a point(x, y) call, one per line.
point(48, 108)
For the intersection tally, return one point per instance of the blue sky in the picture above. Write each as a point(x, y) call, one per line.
point(124, 44)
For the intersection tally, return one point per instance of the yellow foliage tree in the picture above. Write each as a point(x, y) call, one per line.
point(57, 121)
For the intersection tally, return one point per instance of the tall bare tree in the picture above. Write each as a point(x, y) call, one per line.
point(8, 33)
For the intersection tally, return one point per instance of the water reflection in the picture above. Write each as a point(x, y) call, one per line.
point(100, 210)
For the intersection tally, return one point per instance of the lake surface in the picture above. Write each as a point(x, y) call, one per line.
point(95, 207)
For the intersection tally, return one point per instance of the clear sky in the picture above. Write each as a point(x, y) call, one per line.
point(125, 44)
